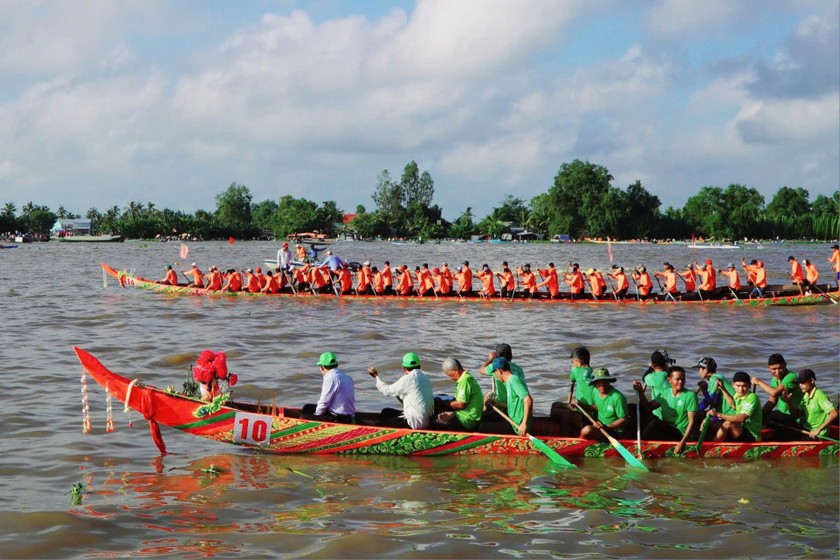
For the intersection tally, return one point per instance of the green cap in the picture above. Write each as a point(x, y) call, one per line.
point(601, 374)
point(327, 359)
point(411, 361)
point(169, 267)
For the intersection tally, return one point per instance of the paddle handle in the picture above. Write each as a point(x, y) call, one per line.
point(588, 417)
point(506, 417)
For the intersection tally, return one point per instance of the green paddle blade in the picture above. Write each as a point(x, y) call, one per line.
point(551, 454)
point(629, 457)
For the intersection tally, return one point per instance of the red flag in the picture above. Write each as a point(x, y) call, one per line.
point(184, 251)
point(231, 240)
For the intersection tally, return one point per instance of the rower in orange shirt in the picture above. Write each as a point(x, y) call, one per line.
point(387, 279)
point(708, 282)
point(233, 283)
point(597, 284)
point(732, 276)
point(812, 275)
point(445, 278)
point(643, 282)
point(272, 286)
point(528, 280)
point(575, 281)
point(796, 276)
point(406, 284)
point(622, 284)
point(377, 283)
point(689, 277)
point(425, 282)
point(444, 281)
point(756, 275)
point(488, 288)
point(750, 269)
point(364, 279)
point(171, 277)
point(345, 279)
point(551, 282)
point(670, 276)
point(214, 278)
point(252, 282)
point(835, 260)
point(507, 282)
point(198, 277)
point(465, 288)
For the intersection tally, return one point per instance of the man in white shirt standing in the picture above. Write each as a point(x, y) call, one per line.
point(338, 398)
point(415, 392)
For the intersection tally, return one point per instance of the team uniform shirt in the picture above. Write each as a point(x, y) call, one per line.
point(795, 272)
point(621, 281)
point(817, 407)
point(387, 277)
point(415, 391)
point(611, 406)
point(171, 277)
point(734, 280)
point(337, 394)
point(517, 390)
point(751, 406)
point(645, 284)
point(675, 409)
point(581, 376)
point(792, 387)
point(575, 282)
point(529, 282)
point(467, 390)
point(551, 282)
point(657, 380)
point(720, 403)
point(690, 280)
point(499, 386)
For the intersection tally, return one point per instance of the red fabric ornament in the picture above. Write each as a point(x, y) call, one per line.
point(220, 364)
point(233, 379)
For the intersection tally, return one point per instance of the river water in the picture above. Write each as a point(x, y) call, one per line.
point(136, 503)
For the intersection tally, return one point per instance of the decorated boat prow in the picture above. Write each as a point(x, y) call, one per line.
point(271, 429)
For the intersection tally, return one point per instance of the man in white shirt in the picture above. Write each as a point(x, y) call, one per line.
point(415, 392)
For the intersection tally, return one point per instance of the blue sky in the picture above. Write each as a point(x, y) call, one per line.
point(104, 102)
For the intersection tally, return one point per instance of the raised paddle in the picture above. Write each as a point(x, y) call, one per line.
point(639, 430)
point(631, 460)
point(546, 450)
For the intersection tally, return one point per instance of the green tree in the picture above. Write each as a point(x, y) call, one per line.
point(8, 219)
point(639, 212)
point(704, 212)
point(416, 187)
point(577, 194)
point(295, 215)
point(388, 198)
point(233, 210)
point(463, 227)
point(330, 217)
point(368, 225)
point(262, 214)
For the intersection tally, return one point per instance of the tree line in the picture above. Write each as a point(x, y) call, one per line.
point(581, 203)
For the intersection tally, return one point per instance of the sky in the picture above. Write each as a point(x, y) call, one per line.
point(170, 101)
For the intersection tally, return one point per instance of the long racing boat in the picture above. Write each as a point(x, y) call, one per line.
point(270, 429)
point(781, 294)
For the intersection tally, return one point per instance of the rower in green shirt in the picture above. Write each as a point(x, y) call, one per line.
point(745, 423)
point(466, 408)
point(783, 381)
point(817, 412)
point(610, 404)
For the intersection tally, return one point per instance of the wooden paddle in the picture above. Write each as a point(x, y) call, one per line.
point(825, 295)
point(631, 460)
point(546, 450)
point(801, 431)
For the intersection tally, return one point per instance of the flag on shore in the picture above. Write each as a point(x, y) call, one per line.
point(184, 251)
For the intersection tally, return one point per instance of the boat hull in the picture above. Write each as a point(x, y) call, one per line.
point(275, 430)
point(783, 297)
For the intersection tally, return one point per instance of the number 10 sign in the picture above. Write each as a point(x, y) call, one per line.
point(254, 429)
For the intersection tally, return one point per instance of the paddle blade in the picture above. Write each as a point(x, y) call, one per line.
point(629, 457)
point(551, 454)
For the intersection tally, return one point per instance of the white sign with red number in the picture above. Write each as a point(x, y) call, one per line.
point(254, 429)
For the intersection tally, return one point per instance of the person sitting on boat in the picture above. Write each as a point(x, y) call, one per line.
point(214, 278)
point(711, 383)
point(575, 281)
point(414, 390)
point(272, 285)
point(656, 376)
point(815, 411)
point(731, 275)
point(708, 281)
point(520, 404)
point(678, 410)
point(171, 277)
point(796, 276)
point(597, 284)
point(756, 276)
point(689, 278)
point(405, 286)
point(812, 275)
point(644, 285)
point(233, 282)
point(834, 260)
point(465, 284)
point(498, 396)
point(364, 279)
point(300, 254)
point(313, 252)
point(527, 280)
point(284, 258)
point(783, 381)
point(744, 424)
point(252, 282)
point(670, 275)
point(507, 282)
point(345, 280)
point(485, 275)
point(197, 275)
point(622, 284)
point(337, 402)
point(464, 411)
point(550, 280)
point(609, 403)
point(571, 421)
point(387, 279)
point(444, 282)
point(425, 281)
